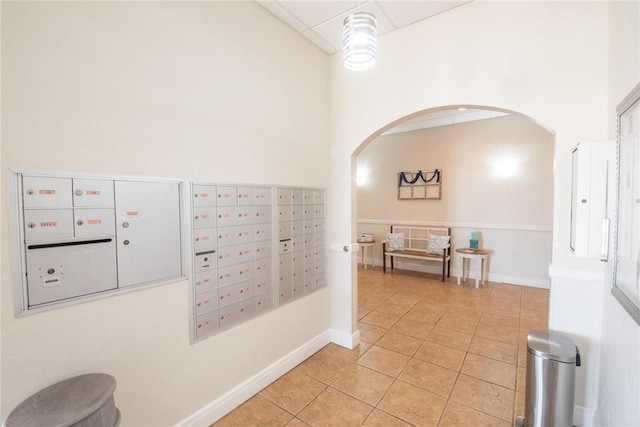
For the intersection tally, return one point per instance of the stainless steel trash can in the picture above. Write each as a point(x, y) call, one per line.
point(549, 396)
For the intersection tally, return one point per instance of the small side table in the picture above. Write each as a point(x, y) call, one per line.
point(465, 254)
point(367, 249)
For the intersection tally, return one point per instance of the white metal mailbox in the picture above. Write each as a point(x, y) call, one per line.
point(48, 224)
point(93, 193)
point(148, 224)
point(69, 269)
point(94, 222)
point(46, 192)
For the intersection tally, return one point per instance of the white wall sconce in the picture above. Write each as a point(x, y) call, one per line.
point(359, 38)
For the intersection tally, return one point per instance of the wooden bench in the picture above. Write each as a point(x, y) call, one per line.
point(416, 241)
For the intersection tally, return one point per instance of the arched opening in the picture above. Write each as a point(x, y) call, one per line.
point(497, 181)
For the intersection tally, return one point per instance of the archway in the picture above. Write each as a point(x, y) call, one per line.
point(503, 234)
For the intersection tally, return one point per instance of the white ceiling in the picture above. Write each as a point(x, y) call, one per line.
point(444, 118)
point(321, 21)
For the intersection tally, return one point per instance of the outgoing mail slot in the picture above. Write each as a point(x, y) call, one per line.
point(262, 196)
point(227, 255)
point(204, 195)
point(204, 217)
point(262, 267)
point(204, 239)
point(206, 302)
point(227, 236)
point(226, 196)
point(206, 261)
point(245, 196)
point(206, 281)
point(48, 224)
point(94, 222)
point(93, 193)
point(262, 214)
point(227, 216)
point(45, 192)
point(245, 215)
point(59, 271)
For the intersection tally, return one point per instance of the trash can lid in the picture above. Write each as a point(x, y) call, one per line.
point(549, 345)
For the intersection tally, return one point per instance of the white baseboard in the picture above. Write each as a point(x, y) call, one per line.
point(345, 340)
point(492, 277)
point(583, 417)
point(243, 391)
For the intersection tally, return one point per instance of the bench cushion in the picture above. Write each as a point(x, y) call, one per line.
point(437, 244)
point(395, 241)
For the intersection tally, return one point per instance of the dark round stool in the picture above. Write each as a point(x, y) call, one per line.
point(82, 401)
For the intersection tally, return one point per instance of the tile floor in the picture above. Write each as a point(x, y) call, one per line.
point(431, 354)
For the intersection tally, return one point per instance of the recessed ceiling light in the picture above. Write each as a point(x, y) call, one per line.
point(462, 108)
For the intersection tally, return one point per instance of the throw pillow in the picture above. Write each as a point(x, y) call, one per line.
point(437, 244)
point(395, 241)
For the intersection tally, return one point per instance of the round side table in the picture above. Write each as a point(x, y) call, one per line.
point(367, 249)
point(466, 255)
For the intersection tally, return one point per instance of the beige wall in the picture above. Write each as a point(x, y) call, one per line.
point(204, 90)
point(513, 214)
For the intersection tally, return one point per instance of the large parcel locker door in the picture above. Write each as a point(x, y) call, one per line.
point(148, 232)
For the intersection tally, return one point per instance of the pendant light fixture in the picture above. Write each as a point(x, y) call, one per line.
point(359, 37)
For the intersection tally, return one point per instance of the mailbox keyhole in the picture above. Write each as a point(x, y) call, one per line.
point(126, 242)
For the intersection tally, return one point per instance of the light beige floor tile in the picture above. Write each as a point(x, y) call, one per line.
point(503, 352)
point(499, 319)
point(293, 391)
point(430, 377)
point(497, 333)
point(327, 364)
point(449, 338)
point(441, 355)
point(385, 361)
point(400, 343)
point(391, 308)
point(334, 408)
point(506, 290)
point(535, 324)
point(370, 333)
point(412, 328)
point(256, 411)
point(455, 323)
point(490, 370)
point(408, 300)
point(413, 404)
point(381, 320)
point(456, 415)
point(483, 396)
point(382, 419)
point(364, 384)
point(362, 311)
point(424, 315)
point(521, 379)
point(296, 422)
